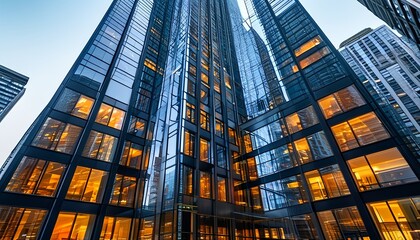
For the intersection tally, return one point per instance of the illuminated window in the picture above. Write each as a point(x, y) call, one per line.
point(110, 116)
point(314, 57)
point(256, 198)
point(74, 103)
point(205, 79)
point(188, 178)
point(397, 219)
point(302, 119)
point(227, 80)
point(220, 130)
point(123, 191)
point(341, 101)
point(232, 136)
point(204, 95)
point(57, 136)
point(205, 153)
point(222, 189)
point(204, 120)
point(359, 131)
point(248, 143)
point(73, 226)
point(115, 228)
point(222, 229)
point(150, 64)
point(35, 176)
point(308, 46)
point(303, 151)
point(326, 183)
point(189, 143)
point(205, 227)
point(305, 228)
point(381, 169)
point(100, 146)
point(190, 112)
point(137, 127)
point(342, 223)
point(132, 155)
point(252, 169)
point(205, 185)
point(20, 223)
point(146, 228)
point(87, 185)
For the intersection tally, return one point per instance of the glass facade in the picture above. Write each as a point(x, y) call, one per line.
point(193, 120)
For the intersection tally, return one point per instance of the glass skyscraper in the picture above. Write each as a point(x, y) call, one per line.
point(12, 88)
point(193, 119)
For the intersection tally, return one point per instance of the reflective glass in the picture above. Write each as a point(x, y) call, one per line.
point(73, 226)
point(20, 223)
point(87, 185)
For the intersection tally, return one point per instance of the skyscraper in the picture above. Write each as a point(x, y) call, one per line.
point(401, 15)
point(391, 67)
point(12, 88)
point(181, 120)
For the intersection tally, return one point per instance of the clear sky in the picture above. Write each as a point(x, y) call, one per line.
point(41, 39)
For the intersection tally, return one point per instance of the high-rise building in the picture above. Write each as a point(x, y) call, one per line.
point(401, 15)
point(391, 67)
point(12, 87)
point(182, 120)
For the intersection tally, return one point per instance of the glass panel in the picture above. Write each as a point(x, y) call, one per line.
point(329, 106)
point(100, 146)
point(115, 228)
point(205, 185)
point(34, 176)
point(110, 116)
point(303, 151)
point(20, 223)
point(319, 145)
point(137, 127)
point(190, 112)
point(308, 46)
point(58, 136)
point(221, 189)
point(362, 174)
point(314, 57)
point(305, 228)
point(391, 168)
point(104, 114)
point(73, 226)
point(219, 128)
point(221, 157)
point(74, 103)
point(87, 185)
point(316, 185)
point(349, 98)
point(329, 225)
point(132, 155)
point(368, 129)
point(344, 136)
point(204, 150)
point(204, 120)
point(123, 191)
point(334, 181)
point(189, 142)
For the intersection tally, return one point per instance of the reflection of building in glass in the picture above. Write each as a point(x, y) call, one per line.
point(12, 87)
point(402, 15)
point(392, 69)
point(179, 122)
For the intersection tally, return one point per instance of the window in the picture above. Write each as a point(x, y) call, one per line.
point(319, 145)
point(100, 146)
point(146, 228)
point(222, 189)
point(137, 127)
point(220, 131)
point(205, 79)
point(190, 112)
point(342, 223)
point(326, 183)
point(35, 176)
point(204, 120)
point(314, 57)
point(123, 191)
point(381, 169)
point(205, 185)
point(188, 180)
point(73, 226)
point(189, 143)
point(305, 228)
point(204, 95)
point(74, 103)
point(232, 136)
point(57, 136)
point(302, 119)
point(303, 151)
point(397, 219)
point(20, 223)
point(132, 155)
point(110, 116)
point(221, 157)
point(87, 185)
point(116, 228)
point(341, 101)
point(308, 46)
point(205, 153)
point(359, 131)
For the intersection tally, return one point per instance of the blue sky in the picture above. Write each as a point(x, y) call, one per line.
point(42, 39)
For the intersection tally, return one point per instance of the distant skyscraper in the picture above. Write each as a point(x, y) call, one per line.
point(12, 87)
point(391, 67)
point(402, 15)
point(180, 120)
